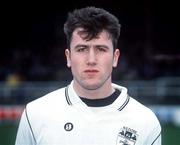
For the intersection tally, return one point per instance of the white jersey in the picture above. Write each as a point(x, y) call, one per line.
point(62, 118)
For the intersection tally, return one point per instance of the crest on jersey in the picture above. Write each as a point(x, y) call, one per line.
point(127, 136)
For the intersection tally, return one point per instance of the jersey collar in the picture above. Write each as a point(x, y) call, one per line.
point(123, 99)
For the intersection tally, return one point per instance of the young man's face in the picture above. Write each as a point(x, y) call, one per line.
point(91, 61)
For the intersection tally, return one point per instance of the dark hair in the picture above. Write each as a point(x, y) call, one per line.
point(93, 21)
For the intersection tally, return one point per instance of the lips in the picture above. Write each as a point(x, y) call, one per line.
point(91, 71)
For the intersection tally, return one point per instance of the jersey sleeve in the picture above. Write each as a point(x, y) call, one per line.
point(25, 134)
point(157, 141)
point(154, 137)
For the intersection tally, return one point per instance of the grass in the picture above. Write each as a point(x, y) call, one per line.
point(8, 133)
point(170, 134)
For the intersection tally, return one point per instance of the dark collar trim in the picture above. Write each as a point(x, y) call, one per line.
point(102, 102)
point(125, 103)
point(67, 96)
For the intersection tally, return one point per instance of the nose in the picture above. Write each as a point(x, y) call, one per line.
point(91, 58)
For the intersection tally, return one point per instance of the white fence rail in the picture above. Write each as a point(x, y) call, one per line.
point(158, 91)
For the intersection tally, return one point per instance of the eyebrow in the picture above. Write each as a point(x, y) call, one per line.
point(85, 45)
point(105, 46)
point(81, 45)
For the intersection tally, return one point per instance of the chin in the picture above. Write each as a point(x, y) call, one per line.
point(91, 86)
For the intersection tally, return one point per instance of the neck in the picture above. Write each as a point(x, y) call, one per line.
point(102, 92)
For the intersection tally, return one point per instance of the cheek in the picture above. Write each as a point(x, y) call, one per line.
point(108, 59)
point(76, 65)
point(107, 63)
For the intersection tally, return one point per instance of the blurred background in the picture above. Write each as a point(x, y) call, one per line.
point(32, 61)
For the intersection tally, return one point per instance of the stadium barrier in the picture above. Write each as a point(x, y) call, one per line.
point(166, 114)
point(162, 95)
point(10, 113)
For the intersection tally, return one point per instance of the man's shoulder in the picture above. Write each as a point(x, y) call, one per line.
point(51, 99)
point(142, 111)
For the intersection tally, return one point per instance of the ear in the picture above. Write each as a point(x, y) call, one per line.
point(67, 53)
point(116, 57)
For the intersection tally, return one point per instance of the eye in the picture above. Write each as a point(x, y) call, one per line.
point(101, 49)
point(81, 49)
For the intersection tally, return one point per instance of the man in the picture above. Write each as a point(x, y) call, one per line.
point(91, 110)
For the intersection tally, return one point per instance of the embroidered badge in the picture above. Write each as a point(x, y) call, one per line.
point(127, 136)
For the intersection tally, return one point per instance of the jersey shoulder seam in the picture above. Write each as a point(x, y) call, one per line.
point(30, 126)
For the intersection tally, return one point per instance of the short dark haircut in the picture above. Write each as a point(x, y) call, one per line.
point(93, 21)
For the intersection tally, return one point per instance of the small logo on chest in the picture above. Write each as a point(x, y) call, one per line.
point(68, 126)
point(126, 136)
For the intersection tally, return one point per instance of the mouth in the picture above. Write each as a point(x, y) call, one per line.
point(91, 71)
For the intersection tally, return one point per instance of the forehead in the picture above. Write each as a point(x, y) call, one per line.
point(79, 34)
